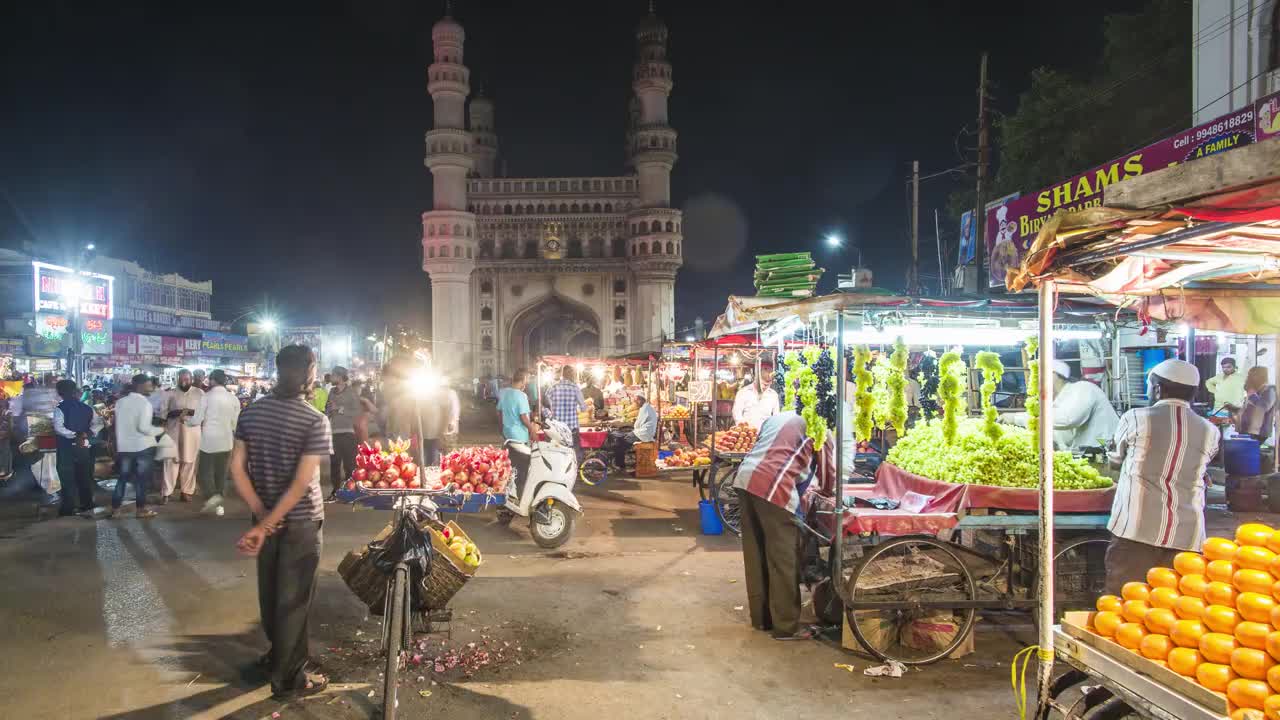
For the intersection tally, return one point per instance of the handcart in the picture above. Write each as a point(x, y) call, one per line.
point(1101, 684)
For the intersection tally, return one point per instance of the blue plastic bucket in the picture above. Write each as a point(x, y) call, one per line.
point(1242, 456)
point(709, 518)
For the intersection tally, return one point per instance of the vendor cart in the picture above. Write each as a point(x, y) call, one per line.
point(971, 548)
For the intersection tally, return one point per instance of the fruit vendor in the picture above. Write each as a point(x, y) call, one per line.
point(771, 485)
point(565, 401)
point(1158, 510)
point(1082, 414)
point(645, 429)
point(756, 401)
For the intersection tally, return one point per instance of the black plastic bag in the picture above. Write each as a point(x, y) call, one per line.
point(408, 543)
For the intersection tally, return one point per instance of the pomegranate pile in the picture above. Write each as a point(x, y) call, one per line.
point(390, 469)
point(478, 469)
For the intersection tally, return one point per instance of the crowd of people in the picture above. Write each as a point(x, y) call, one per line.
point(176, 441)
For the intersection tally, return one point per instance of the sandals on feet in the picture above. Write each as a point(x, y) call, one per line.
point(316, 683)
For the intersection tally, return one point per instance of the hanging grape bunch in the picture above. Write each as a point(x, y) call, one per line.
point(927, 376)
point(992, 370)
point(787, 371)
point(779, 376)
point(815, 425)
point(952, 375)
point(1033, 384)
point(897, 384)
point(825, 369)
point(864, 401)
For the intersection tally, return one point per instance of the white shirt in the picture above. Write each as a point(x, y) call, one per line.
point(646, 425)
point(134, 431)
point(216, 415)
point(60, 424)
point(753, 407)
point(1082, 416)
point(1159, 496)
point(158, 399)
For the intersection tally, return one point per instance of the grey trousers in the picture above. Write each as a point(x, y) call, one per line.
point(771, 556)
point(1129, 561)
point(211, 473)
point(286, 585)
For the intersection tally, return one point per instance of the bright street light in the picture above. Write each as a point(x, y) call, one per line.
point(268, 324)
point(834, 240)
point(90, 246)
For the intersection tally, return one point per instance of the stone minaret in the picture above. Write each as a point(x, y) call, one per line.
point(448, 230)
point(655, 234)
point(486, 137)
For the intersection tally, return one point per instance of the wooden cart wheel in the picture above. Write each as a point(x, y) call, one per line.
point(1079, 575)
point(923, 578)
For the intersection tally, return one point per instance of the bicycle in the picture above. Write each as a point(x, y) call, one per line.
point(597, 462)
point(398, 614)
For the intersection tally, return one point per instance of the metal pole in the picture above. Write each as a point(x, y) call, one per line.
point(1048, 298)
point(937, 236)
point(913, 287)
point(715, 397)
point(980, 203)
point(837, 536)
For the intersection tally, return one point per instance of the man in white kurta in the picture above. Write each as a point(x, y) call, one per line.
point(181, 403)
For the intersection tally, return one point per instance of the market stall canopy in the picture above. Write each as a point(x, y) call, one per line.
point(1197, 243)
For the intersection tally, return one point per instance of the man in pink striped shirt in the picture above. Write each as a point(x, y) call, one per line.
point(1164, 449)
point(771, 485)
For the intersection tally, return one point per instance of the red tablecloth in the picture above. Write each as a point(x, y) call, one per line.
point(884, 522)
point(894, 482)
point(591, 439)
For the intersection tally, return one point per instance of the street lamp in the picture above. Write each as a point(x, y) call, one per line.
point(268, 324)
point(835, 242)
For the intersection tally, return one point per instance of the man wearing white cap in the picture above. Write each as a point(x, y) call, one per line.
point(1082, 414)
point(1158, 510)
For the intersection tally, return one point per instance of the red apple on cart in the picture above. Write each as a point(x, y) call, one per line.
point(397, 484)
point(391, 473)
point(360, 475)
point(408, 470)
point(374, 477)
point(414, 482)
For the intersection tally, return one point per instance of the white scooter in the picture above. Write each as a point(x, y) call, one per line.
point(541, 486)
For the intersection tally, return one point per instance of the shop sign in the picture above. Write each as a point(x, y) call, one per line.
point(158, 320)
point(11, 346)
point(1012, 226)
point(215, 343)
point(81, 297)
point(305, 336)
point(699, 391)
point(43, 365)
point(150, 345)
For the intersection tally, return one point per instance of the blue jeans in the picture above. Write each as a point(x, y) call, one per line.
point(135, 467)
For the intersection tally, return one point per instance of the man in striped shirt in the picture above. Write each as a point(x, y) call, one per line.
point(280, 442)
point(1164, 449)
point(771, 485)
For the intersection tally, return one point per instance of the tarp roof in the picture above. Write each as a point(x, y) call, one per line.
point(1197, 243)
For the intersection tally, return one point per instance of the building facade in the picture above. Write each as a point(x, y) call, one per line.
point(529, 266)
point(1235, 55)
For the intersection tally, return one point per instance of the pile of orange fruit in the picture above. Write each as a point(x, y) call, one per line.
point(1213, 617)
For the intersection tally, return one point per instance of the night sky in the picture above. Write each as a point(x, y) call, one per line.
point(276, 148)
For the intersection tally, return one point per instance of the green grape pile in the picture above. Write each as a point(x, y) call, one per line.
point(992, 370)
point(975, 458)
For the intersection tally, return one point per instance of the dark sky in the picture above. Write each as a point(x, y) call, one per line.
point(276, 148)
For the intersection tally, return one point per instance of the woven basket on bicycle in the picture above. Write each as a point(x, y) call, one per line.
point(447, 576)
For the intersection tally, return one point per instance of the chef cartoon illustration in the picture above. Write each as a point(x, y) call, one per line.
point(1004, 255)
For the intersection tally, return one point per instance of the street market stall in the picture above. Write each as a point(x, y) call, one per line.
point(1199, 244)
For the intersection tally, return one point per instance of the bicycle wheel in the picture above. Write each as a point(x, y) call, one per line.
point(396, 618)
point(1079, 571)
point(593, 471)
point(923, 576)
point(726, 499)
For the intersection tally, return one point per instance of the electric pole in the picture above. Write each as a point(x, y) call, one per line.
point(913, 287)
point(980, 206)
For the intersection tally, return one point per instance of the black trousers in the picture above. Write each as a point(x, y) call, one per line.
point(771, 556)
point(623, 443)
point(286, 585)
point(75, 472)
point(343, 459)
